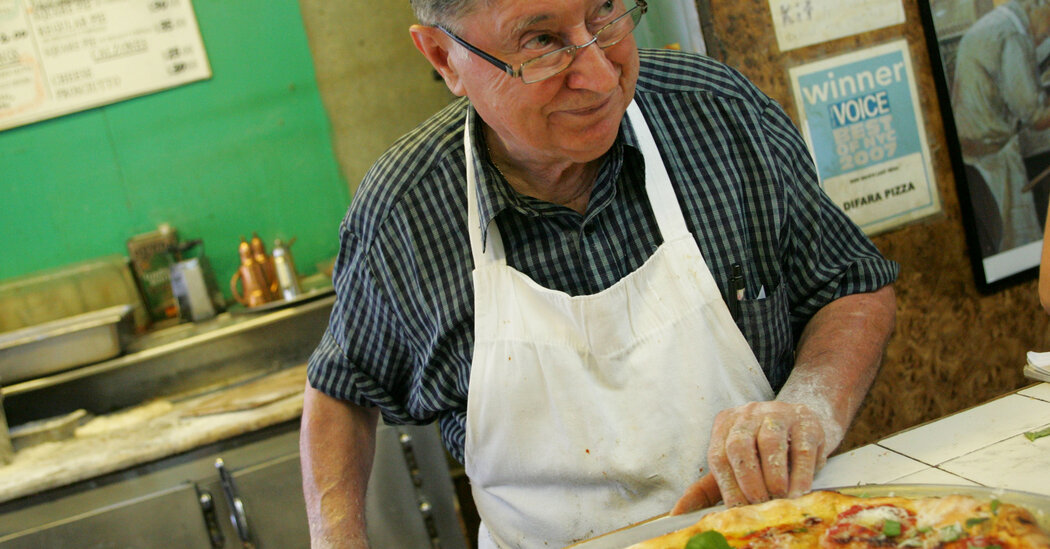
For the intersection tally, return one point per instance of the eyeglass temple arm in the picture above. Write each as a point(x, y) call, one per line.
point(506, 68)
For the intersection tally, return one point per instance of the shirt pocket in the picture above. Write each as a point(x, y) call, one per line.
point(766, 326)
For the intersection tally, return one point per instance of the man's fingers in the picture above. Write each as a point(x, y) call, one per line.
point(807, 450)
point(763, 450)
point(718, 461)
point(773, 451)
point(742, 451)
point(700, 495)
point(728, 486)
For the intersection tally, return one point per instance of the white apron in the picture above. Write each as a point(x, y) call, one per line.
point(589, 413)
point(1005, 174)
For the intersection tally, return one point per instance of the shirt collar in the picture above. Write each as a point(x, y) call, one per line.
point(494, 194)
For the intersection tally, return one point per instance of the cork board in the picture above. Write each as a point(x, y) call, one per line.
point(953, 347)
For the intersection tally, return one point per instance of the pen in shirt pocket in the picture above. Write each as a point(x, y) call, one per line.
point(736, 286)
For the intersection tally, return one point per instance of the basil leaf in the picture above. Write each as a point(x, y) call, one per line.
point(974, 521)
point(1032, 435)
point(708, 540)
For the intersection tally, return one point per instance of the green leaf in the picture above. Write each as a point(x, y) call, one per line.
point(1032, 435)
point(974, 521)
point(891, 528)
point(708, 540)
point(995, 507)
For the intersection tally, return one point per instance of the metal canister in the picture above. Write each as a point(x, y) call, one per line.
point(284, 265)
point(190, 288)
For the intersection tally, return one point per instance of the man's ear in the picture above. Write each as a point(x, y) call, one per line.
point(434, 45)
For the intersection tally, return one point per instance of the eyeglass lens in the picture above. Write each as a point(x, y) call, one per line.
point(548, 65)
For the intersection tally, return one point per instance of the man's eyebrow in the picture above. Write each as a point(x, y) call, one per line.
point(527, 22)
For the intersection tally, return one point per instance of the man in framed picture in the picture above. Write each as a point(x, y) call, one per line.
point(997, 92)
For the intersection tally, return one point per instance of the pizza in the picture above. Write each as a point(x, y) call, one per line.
point(828, 519)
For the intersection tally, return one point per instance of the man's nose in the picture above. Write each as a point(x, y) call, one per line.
point(592, 69)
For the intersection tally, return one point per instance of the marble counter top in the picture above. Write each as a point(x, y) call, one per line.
point(155, 430)
point(984, 446)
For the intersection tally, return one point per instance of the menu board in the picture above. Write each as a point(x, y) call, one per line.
point(63, 56)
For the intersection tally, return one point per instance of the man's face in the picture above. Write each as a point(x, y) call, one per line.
point(572, 116)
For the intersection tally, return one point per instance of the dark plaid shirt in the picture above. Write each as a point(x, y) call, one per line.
point(401, 333)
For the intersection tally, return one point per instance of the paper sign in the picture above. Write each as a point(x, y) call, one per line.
point(801, 23)
point(63, 56)
point(861, 118)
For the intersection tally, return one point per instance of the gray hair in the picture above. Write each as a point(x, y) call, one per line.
point(443, 12)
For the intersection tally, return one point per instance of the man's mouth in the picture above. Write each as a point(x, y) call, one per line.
point(588, 109)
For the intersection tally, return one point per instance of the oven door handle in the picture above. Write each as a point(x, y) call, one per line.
point(238, 515)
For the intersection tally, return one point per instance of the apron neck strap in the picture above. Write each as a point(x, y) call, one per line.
point(657, 182)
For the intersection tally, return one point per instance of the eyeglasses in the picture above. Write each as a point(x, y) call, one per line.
point(554, 62)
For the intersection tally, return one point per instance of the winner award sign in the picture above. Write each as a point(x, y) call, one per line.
point(861, 118)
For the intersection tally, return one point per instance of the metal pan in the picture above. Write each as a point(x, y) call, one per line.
point(65, 343)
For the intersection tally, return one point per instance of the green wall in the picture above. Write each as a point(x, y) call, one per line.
point(247, 150)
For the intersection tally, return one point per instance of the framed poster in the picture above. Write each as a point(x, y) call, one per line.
point(862, 121)
point(990, 65)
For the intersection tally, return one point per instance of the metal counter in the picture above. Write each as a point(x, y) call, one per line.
point(181, 359)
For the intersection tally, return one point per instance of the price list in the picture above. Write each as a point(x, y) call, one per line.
point(64, 56)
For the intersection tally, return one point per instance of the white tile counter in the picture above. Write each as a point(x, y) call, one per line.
point(984, 445)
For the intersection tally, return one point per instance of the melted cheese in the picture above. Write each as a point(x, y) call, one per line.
point(875, 517)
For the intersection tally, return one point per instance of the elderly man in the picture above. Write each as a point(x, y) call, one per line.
point(997, 91)
point(611, 276)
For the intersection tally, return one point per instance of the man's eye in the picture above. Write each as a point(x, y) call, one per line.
point(607, 8)
point(605, 13)
point(542, 42)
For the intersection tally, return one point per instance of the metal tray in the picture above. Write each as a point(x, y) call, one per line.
point(1039, 505)
point(65, 343)
point(308, 295)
